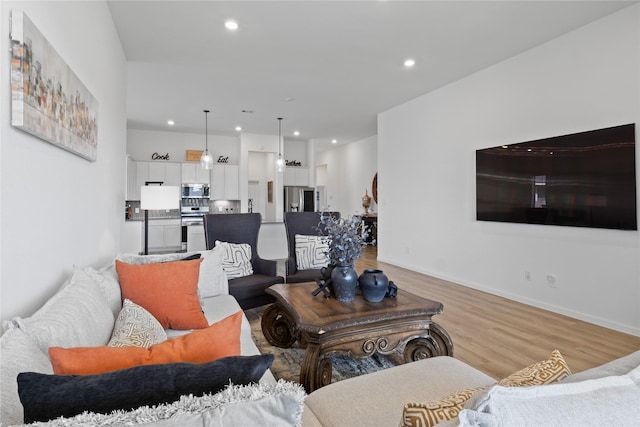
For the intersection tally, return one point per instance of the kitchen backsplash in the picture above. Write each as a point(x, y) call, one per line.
point(134, 213)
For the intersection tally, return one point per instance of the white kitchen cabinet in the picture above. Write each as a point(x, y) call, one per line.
point(296, 176)
point(225, 182)
point(132, 239)
point(132, 190)
point(142, 176)
point(164, 235)
point(192, 173)
point(173, 174)
point(167, 173)
point(232, 182)
point(195, 238)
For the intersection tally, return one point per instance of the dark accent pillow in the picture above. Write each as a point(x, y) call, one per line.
point(46, 397)
point(190, 257)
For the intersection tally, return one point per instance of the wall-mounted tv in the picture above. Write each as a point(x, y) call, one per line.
point(586, 179)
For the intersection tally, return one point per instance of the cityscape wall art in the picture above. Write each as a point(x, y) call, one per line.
point(48, 99)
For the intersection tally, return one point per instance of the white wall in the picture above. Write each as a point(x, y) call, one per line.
point(349, 173)
point(141, 144)
point(587, 79)
point(58, 209)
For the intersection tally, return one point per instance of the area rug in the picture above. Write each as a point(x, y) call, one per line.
point(286, 364)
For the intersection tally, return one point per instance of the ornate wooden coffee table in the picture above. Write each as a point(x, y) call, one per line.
point(356, 329)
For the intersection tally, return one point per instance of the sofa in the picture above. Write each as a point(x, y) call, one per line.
point(446, 392)
point(72, 330)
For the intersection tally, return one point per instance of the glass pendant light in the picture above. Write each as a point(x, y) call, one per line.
point(206, 161)
point(280, 162)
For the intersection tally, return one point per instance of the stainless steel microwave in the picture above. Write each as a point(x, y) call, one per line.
point(195, 190)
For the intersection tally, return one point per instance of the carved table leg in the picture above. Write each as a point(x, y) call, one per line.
point(278, 327)
point(315, 371)
point(437, 343)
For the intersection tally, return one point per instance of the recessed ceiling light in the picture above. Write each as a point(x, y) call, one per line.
point(334, 141)
point(505, 146)
point(409, 63)
point(171, 122)
point(238, 128)
point(296, 133)
point(230, 24)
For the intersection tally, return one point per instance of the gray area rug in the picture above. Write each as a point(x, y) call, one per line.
point(286, 364)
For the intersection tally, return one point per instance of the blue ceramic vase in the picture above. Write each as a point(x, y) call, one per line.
point(374, 285)
point(344, 279)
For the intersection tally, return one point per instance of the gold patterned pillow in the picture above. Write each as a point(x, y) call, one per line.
point(544, 372)
point(136, 327)
point(431, 413)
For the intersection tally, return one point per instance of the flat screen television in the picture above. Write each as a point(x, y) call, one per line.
point(586, 179)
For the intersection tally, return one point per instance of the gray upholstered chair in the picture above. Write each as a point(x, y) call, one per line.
point(244, 228)
point(304, 223)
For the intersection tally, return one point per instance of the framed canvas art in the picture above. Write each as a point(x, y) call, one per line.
point(48, 100)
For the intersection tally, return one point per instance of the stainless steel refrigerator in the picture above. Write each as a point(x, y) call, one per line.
point(299, 199)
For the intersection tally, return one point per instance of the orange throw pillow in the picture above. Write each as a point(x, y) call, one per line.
point(169, 291)
point(219, 340)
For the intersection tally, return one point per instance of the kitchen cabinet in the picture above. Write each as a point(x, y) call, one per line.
point(294, 176)
point(167, 173)
point(132, 237)
point(192, 173)
point(164, 235)
point(195, 238)
point(132, 190)
point(225, 182)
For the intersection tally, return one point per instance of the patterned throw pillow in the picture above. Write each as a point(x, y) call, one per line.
point(136, 327)
point(429, 414)
point(236, 259)
point(311, 252)
point(544, 372)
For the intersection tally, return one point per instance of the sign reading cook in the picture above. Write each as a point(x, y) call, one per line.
point(157, 156)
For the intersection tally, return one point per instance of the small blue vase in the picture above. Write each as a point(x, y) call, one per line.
point(374, 285)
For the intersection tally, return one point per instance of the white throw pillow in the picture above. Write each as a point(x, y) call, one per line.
point(312, 252)
point(107, 279)
point(608, 401)
point(213, 279)
point(236, 259)
point(136, 327)
point(20, 353)
point(78, 315)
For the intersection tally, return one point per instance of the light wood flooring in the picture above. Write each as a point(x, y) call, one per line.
point(500, 336)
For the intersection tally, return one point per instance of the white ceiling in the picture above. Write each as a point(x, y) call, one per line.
point(327, 67)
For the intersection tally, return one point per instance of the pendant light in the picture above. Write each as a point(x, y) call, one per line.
point(280, 162)
point(206, 161)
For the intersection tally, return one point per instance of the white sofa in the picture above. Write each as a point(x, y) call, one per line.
point(608, 395)
point(82, 314)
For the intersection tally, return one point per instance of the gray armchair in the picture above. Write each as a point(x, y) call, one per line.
point(304, 223)
point(244, 228)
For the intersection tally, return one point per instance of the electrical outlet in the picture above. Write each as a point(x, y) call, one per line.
point(552, 280)
point(527, 276)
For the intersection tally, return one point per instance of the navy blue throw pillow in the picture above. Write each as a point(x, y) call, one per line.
point(46, 397)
